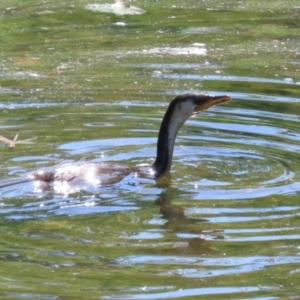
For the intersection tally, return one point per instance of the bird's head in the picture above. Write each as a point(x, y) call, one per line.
point(204, 101)
point(185, 106)
point(195, 103)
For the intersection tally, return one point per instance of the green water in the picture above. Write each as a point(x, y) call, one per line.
point(94, 86)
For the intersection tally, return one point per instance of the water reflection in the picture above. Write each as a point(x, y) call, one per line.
point(226, 78)
point(148, 293)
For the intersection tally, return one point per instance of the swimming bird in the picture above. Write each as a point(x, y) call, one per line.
point(12, 143)
point(180, 109)
point(120, 4)
point(120, 8)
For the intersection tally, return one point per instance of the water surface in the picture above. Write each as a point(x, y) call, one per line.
point(94, 86)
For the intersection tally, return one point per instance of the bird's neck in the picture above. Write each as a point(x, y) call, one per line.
point(170, 125)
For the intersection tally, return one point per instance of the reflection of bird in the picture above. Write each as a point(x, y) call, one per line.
point(180, 109)
point(12, 143)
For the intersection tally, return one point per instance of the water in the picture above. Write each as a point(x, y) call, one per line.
point(93, 87)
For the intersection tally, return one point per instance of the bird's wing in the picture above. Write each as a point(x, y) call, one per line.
point(5, 140)
point(15, 138)
point(26, 141)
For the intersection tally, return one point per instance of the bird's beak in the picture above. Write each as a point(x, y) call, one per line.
point(211, 101)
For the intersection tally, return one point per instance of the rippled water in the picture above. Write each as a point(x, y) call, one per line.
point(93, 87)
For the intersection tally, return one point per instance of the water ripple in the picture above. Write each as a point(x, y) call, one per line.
point(189, 292)
point(213, 77)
